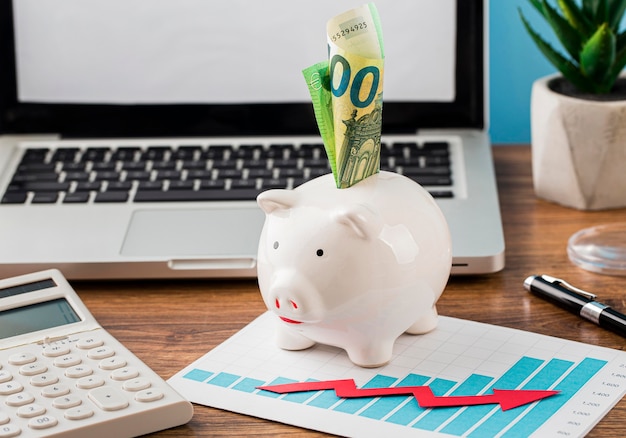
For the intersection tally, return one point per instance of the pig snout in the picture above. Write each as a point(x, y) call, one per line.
point(295, 301)
point(286, 305)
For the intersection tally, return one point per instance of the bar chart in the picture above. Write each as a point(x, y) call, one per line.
point(460, 358)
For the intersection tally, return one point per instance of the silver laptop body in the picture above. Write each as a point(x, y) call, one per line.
point(56, 108)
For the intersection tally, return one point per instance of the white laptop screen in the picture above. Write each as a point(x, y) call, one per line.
point(196, 67)
point(200, 51)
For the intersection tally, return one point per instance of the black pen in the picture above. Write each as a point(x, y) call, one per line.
point(577, 301)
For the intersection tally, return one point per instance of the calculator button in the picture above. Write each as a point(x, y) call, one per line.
point(19, 399)
point(88, 343)
point(4, 418)
point(90, 382)
point(55, 350)
point(44, 379)
point(9, 388)
point(66, 401)
point(78, 371)
point(55, 391)
point(148, 395)
point(69, 360)
point(136, 384)
point(108, 398)
point(100, 353)
point(5, 376)
point(112, 363)
point(42, 422)
point(78, 413)
point(32, 369)
point(9, 430)
point(30, 411)
point(22, 358)
point(125, 373)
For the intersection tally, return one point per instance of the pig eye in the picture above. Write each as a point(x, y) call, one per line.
point(319, 252)
point(276, 245)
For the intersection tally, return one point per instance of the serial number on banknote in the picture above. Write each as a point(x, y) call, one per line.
point(348, 31)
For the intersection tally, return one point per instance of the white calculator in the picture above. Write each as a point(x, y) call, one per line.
point(62, 374)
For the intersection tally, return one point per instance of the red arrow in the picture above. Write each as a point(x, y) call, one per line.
point(507, 399)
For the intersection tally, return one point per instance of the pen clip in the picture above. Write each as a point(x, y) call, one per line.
point(568, 286)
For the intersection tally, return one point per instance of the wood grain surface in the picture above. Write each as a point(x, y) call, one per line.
point(169, 324)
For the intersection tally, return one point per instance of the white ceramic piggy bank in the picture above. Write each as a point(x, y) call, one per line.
point(353, 268)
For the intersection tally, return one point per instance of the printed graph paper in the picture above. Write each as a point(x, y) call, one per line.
point(458, 358)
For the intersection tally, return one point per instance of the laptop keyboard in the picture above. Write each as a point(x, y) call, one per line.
point(120, 174)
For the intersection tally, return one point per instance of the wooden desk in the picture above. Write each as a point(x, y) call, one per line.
point(169, 324)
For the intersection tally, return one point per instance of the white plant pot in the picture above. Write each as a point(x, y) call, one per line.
point(578, 149)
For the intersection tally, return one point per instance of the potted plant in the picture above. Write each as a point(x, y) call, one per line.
point(578, 117)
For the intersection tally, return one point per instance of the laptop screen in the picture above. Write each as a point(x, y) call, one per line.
point(208, 67)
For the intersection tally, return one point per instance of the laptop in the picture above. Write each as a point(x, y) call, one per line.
point(151, 126)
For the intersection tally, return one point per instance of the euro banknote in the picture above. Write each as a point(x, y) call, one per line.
point(347, 94)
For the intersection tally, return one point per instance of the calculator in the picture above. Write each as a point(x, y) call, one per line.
point(62, 374)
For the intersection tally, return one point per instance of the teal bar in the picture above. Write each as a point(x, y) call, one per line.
point(436, 417)
point(248, 385)
point(198, 375)
point(300, 397)
point(223, 379)
point(512, 379)
point(325, 400)
point(353, 405)
point(572, 383)
point(387, 404)
point(409, 412)
point(544, 379)
point(277, 381)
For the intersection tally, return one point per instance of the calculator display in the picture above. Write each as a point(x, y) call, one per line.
point(40, 316)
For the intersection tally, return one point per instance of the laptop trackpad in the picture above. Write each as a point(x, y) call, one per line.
point(228, 232)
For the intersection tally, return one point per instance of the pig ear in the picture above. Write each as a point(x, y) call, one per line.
point(277, 199)
point(363, 221)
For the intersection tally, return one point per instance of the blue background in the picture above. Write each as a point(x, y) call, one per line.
point(514, 63)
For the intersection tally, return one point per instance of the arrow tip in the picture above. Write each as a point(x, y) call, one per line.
point(509, 399)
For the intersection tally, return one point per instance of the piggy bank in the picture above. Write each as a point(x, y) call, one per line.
point(353, 268)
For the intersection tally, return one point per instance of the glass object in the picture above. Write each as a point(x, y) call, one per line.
point(600, 249)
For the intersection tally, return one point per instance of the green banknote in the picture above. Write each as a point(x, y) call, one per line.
point(347, 94)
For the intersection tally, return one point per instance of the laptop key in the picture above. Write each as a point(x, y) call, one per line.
point(65, 154)
point(46, 186)
point(35, 177)
point(196, 195)
point(95, 154)
point(426, 171)
point(238, 184)
point(76, 198)
point(441, 193)
point(431, 180)
point(181, 185)
point(119, 185)
point(138, 175)
point(111, 197)
point(213, 184)
point(107, 176)
point(45, 197)
point(14, 198)
point(260, 173)
point(36, 168)
point(150, 185)
point(86, 186)
point(274, 183)
point(76, 176)
point(35, 155)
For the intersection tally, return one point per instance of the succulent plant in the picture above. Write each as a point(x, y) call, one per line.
point(589, 32)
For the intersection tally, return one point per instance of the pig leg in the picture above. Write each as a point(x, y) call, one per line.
point(373, 353)
point(425, 323)
point(288, 339)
